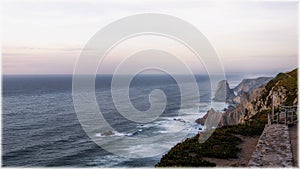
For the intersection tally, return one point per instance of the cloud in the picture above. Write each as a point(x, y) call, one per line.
point(243, 33)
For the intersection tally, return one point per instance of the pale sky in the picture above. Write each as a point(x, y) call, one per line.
point(46, 37)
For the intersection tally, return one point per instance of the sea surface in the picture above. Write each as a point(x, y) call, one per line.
point(40, 126)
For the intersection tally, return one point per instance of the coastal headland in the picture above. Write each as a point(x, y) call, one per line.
point(238, 138)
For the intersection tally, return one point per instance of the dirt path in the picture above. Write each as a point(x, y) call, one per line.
point(294, 141)
point(248, 146)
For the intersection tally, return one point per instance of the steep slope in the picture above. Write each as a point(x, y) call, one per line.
point(234, 96)
point(251, 116)
point(247, 85)
point(251, 87)
point(223, 92)
point(285, 90)
point(284, 87)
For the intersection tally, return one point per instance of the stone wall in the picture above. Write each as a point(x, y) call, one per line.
point(273, 148)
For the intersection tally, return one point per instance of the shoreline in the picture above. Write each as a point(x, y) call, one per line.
point(241, 126)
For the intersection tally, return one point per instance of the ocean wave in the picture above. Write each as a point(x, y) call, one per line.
point(113, 134)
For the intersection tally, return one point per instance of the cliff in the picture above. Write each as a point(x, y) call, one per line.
point(284, 87)
point(249, 89)
point(223, 92)
point(248, 85)
point(254, 95)
point(234, 96)
point(251, 114)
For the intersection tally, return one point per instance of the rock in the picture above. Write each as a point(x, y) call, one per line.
point(251, 100)
point(180, 120)
point(223, 92)
point(247, 91)
point(268, 153)
point(211, 119)
point(202, 119)
point(248, 85)
point(107, 133)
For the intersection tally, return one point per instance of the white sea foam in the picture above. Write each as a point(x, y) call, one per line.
point(114, 134)
point(166, 126)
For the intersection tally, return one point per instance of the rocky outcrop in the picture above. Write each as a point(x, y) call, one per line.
point(202, 119)
point(248, 85)
point(284, 88)
point(227, 118)
point(223, 92)
point(234, 96)
point(235, 114)
point(250, 100)
point(210, 119)
point(245, 95)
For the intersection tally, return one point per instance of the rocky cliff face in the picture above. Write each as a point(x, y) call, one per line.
point(284, 87)
point(248, 85)
point(251, 100)
point(249, 89)
point(223, 92)
point(237, 94)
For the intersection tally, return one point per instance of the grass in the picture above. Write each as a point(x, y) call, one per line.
point(189, 153)
point(289, 81)
point(222, 144)
point(252, 127)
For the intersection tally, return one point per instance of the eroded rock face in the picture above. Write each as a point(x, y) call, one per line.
point(211, 119)
point(284, 89)
point(235, 115)
point(249, 89)
point(251, 100)
point(223, 92)
point(202, 119)
point(248, 85)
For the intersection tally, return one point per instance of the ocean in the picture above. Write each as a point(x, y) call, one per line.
point(40, 126)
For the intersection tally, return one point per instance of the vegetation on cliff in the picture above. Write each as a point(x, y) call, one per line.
point(224, 141)
point(284, 87)
point(222, 144)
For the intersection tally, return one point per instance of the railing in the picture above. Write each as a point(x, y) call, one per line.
point(285, 115)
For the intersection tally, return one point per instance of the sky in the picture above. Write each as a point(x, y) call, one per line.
point(46, 37)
